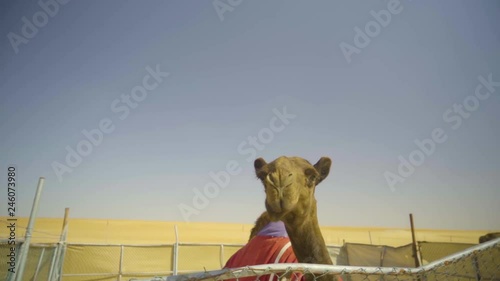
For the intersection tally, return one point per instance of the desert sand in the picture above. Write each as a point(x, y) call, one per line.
point(103, 231)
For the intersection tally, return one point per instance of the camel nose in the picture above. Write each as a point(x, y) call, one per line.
point(279, 181)
point(280, 192)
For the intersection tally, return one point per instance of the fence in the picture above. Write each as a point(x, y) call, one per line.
point(387, 256)
point(118, 262)
point(44, 261)
point(481, 262)
point(123, 262)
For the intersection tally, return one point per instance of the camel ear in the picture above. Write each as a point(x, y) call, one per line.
point(259, 165)
point(323, 168)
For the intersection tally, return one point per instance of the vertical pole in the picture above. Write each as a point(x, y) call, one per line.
point(382, 256)
point(26, 245)
point(64, 237)
point(176, 251)
point(121, 264)
point(53, 262)
point(370, 235)
point(55, 268)
point(39, 264)
point(414, 242)
point(61, 261)
point(222, 256)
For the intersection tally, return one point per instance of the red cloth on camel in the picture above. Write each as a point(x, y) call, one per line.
point(264, 250)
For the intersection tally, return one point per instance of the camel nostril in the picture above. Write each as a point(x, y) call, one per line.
point(290, 174)
point(280, 193)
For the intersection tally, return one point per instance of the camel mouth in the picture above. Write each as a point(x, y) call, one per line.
point(277, 209)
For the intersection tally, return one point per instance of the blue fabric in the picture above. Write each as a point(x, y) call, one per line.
point(275, 229)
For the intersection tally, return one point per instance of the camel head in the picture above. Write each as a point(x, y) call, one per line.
point(289, 183)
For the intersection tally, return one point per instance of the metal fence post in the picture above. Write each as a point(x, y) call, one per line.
point(61, 261)
point(176, 251)
point(120, 272)
point(53, 262)
point(64, 237)
point(26, 245)
point(38, 264)
point(221, 255)
point(414, 242)
point(56, 268)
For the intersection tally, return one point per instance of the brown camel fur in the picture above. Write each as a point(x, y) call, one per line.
point(261, 221)
point(290, 183)
point(482, 239)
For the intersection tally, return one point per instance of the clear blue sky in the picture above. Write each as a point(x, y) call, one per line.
point(225, 78)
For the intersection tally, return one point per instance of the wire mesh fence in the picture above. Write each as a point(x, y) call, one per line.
point(431, 251)
point(204, 261)
point(481, 262)
point(38, 266)
point(376, 255)
point(123, 262)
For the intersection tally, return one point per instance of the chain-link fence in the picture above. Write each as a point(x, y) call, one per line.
point(481, 262)
point(376, 255)
point(122, 262)
point(431, 251)
point(386, 256)
point(114, 262)
point(80, 262)
point(39, 264)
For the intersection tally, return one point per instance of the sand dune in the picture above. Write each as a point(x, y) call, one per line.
point(102, 231)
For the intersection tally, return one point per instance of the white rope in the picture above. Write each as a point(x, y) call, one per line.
point(278, 257)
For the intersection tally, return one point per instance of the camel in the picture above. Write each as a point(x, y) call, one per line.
point(487, 237)
point(268, 244)
point(261, 221)
point(289, 184)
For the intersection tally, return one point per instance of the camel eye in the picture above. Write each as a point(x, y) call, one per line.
point(262, 175)
point(310, 181)
point(288, 185)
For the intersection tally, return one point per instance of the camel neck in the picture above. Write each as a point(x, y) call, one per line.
point(307, 240)
point(308, 245)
